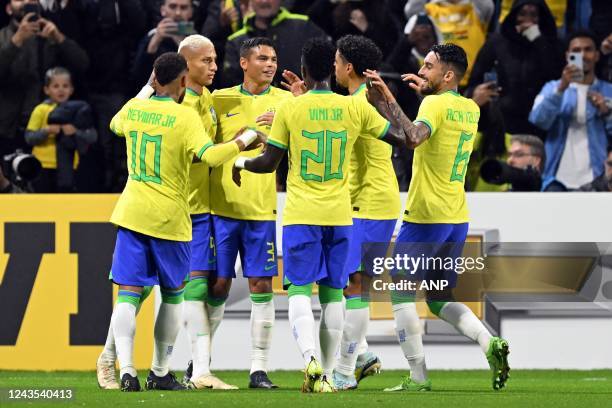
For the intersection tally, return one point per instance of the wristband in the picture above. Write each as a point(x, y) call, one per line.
point(145, 92)
point(239, 164)
point(247, 137)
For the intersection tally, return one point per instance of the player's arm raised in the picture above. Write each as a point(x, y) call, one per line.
point(402, 130)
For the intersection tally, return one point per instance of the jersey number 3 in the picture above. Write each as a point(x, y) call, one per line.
point(156, 142)
point(461, 159)
point(324, 154)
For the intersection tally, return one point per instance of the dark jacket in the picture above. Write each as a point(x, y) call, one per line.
point(22, 71)
point(287, 31)
point(600, 184)
point(143, 61)
point(523, 67)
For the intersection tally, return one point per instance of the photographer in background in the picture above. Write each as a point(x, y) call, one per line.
point(177, 23)
point(602, 183)
point(6, 187)
point(523, 168)
point(29, 45)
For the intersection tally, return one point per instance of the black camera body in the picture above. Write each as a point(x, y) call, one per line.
point(497, 172)
point(20, 167)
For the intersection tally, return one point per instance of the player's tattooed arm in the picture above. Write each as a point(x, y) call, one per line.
point(267, 162)
point(402, 131)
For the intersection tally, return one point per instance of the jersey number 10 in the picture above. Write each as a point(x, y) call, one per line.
point(324, 154)
point(141, 157)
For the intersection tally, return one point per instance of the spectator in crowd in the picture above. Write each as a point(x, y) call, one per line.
point(575, 113)
point(370, 18)
point(224, 18)
point(68, 16)
point(605, 63)
point(522, 57)
point(526, 151)
point(462, 22)
point(29, 45)
point(56, 141)
point(287, 31)
point(558, 9)
point(201, 9)
point(177, 23)
point(113, 28)
point(602, 183)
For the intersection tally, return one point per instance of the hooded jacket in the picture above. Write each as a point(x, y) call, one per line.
point(522, 66)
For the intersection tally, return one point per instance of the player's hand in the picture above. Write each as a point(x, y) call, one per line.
point(260, 142)
point(293, 83)
point(68, 129)
point(378, 91)
point(26, 30)
point(53, 129)
point(570, 72)
point(236, 176)
point(485, 92)
point(265, 119)
point(50, 31)
point(599, 101)
point(415, 82)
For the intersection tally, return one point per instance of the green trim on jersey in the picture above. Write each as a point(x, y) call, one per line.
point(453, 92)
point(204, 148)
point(320, 91)
point(385, 130)
point(162, 98)
point(192, 92)
point(426, 123)
point(278, 144)
point(359, 90)
point(245, 92)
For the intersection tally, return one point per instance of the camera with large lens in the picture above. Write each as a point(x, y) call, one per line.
point(20, 167)
point(497, 172)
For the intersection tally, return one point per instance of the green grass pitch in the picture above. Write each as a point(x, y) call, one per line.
point(453, 389)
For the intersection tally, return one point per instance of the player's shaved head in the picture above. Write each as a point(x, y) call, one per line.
point(168, 67)
point(318, 58)
point(193, 42)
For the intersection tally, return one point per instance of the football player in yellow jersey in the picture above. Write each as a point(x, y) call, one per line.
point(436, 212)
point(244, 217)
point(319, 130)
point(376, 207)
point(199, 52)
point(152, 214)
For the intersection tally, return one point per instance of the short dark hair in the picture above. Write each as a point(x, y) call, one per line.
point(318, 58)
point(168, 67)
point(582, 33)
point(250, 43)
point(452, 55)
point(56, 71)
point(359, 51)
point(536, 146)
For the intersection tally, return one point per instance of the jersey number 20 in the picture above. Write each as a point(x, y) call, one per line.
point(141, 157)
point(324, 154)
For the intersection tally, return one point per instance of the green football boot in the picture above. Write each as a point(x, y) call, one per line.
point(409, 384)
point(312, 373)
point(497, 356)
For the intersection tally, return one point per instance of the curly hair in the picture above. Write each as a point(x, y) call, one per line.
point(168, 67)
point(359, 51)
point(318, 58)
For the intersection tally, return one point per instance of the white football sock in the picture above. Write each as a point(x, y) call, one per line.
point(408, 328)
point(109, 354)
point(215, 315)
point(330, 334)
point(198, 328)
point(355, 328)
point(302, 325)
point(262, 322)
point(166, 329)
point(123, 323)
point(466, 322)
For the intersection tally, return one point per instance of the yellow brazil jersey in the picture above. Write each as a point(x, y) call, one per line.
point(199, 193)
point(436, 193)
point(45, 151)
point(373, 185)
point(162, 138)
point(256, 198)
point(319, 129)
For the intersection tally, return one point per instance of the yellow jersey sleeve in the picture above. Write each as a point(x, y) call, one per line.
point(430, 113)
point(373, 125)
point(279, 134)
point(117, 122)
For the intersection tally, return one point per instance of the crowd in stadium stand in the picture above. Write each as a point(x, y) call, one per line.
point(518, 74)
